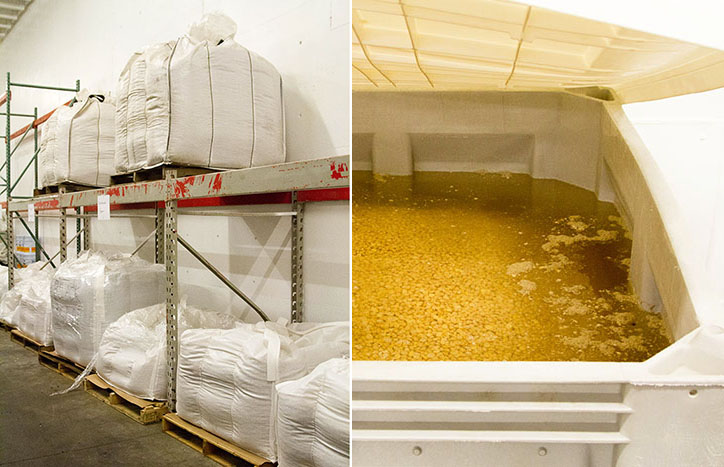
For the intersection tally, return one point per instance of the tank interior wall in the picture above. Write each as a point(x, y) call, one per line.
point(655, 271)
point(573, 139)
point(546, 135)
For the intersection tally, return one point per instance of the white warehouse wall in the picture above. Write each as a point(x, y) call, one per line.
point(56, 43)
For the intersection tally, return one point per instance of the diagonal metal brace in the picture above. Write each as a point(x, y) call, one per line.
point(10, 249)
point(66, 246)
point(138, 248)
point(35, 239)
point(221, 277)
point(30, 162)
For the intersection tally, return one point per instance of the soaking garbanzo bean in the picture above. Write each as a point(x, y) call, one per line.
point(469, 266)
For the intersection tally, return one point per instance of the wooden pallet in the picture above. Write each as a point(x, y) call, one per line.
point(141, 410)
point(209, 444)
point(6, 326)
point(62, 187)
point(60, 364)
point(28, 342)
point(158, 173)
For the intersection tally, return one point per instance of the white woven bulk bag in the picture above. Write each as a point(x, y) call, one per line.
point(209, 102)
point(91, 291)
point(225, 101)
point(78, 144)
point(130, 119)
point(122, 89)
point(157, 102)
point(47, 157)
point(313, 417)
point(132, 352)
point(226, 378)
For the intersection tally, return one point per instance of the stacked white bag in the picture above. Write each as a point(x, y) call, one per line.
point(226, 378)
point(313, 417)
point(3, 239)
point(90, 292)
point(27, 305)
point(77, 143)
point(202, 100)
point(132, 352)
point(3, 279)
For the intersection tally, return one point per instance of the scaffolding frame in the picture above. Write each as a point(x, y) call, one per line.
point(8, 183)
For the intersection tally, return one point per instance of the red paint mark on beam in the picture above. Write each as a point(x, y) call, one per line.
point(113, 191)
point(216, 183)
point(47, 204)
point(339, 170)
point(181, 187)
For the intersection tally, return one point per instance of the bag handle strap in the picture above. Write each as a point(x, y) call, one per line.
point(274, 350)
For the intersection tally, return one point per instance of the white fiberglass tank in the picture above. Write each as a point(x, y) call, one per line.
point(504, 88)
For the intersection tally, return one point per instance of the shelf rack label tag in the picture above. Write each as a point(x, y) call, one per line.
point(31, 213)
point(104, 207)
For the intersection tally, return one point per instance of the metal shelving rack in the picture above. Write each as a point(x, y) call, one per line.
point(292, 183)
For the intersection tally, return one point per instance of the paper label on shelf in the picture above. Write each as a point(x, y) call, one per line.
point(104, 207)
point(31, 213)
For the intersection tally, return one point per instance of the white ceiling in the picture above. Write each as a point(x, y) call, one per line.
point(499, 44)
point(10, 12)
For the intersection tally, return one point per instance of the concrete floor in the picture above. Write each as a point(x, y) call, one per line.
point(73, 429)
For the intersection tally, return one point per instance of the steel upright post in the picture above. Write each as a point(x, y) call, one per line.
point(78, 242)
point(86, 231)
point(35, 170)
point(158, 238)
point(297, 260)
point(171, 257)
point(63, 234)
point(8, 198)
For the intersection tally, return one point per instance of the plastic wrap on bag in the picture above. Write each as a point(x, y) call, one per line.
point(34, 313)
point(3, 279)
point(313, 417)
point(90, 292)
point(27, 305)
point(226, 378)
point(9, 307)
point(132, 351)
point(11, 299)
point(227, 101)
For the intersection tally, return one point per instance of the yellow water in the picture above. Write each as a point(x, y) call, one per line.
point(466, 266)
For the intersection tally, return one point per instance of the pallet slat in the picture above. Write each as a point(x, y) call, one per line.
point(29, 343)
point(64, 187)
point(140, 410)
point(60, 364)
point(158, 173)
point(208, 444)
point(6, 326)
